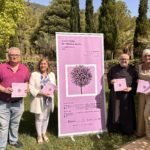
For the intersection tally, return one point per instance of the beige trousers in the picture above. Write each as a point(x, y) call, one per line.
point(143, 124)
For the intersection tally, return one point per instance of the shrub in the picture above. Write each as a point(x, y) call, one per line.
point(2, 54)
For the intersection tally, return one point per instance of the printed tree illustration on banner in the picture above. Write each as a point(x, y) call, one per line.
point(81, 76)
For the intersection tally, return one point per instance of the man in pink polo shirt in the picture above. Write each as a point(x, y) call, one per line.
point(11, 109)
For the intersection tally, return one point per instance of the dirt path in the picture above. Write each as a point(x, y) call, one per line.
point(140, 144)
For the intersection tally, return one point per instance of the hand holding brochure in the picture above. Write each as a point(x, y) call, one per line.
point(19, 90)
point(120, 84)
point(49, 88)
point(143, 86)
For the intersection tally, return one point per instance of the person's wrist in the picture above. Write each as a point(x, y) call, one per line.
point(3, 90)
point(41, 93)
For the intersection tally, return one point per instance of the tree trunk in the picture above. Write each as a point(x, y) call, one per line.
point(131, 54)
point(81, 89)
point(112, 55)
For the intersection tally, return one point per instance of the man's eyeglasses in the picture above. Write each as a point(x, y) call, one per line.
point(124, 59)
point(13, 55)
point(146, 55)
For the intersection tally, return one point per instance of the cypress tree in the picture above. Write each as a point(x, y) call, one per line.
point(75, 16)
point(89, 18)
point(108, 25)
point(141, 25)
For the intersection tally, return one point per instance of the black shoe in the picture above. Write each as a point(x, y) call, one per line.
point(18, 144)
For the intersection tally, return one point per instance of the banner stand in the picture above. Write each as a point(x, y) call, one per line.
point(80, 72)
point(72, 138)
point(98, 136)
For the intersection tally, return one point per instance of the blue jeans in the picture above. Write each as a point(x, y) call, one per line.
point(10, 116)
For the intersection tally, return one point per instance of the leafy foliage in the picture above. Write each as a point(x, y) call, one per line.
point(2, 54)
point(126, 24)
point(55, 19)
point(108, 24)
point(89, 17)
point(74, 16)
point(11, 12)
point(82, 21)
point(141, 30)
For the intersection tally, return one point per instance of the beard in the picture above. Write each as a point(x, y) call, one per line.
point(124, 65)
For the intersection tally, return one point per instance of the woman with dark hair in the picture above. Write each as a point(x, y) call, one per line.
point(41, 102)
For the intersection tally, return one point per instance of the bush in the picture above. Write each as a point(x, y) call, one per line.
point(2, 54)
point(110, 63)
point(33, 65)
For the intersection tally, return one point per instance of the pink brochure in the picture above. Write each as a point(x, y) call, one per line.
point(49, 88)
point(120, 84)
point(143, 86)
point(19, 90)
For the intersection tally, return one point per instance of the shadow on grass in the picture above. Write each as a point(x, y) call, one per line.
point(53, 122)
point(27, 124)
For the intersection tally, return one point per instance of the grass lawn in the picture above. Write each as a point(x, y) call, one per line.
point(86, 142)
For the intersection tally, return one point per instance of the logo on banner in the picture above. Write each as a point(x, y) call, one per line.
point(80, 80)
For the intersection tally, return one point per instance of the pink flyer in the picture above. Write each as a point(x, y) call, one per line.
point(120, 84)
point(143, 86)
point(19, 90)
point(80, 72)
point(49, 88)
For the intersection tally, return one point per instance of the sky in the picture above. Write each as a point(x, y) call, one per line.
point(131, 4)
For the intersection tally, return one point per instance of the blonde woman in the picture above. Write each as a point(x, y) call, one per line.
point(41, 103)
point(143, 125)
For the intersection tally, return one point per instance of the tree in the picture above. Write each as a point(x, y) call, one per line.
point(108, 25)
point(141, 30)
point(55, 19)
point(26, 27)
point(96, 21)
point(89, 17)
point(3, 54)
point(81, 76)
point(74, 16)
point(126, 28)
point(82, 21)
point(11, 13)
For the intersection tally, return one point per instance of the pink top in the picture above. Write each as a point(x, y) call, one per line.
point(7, 77)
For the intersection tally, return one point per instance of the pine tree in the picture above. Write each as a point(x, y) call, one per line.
point(75, 16)
point(141, 30)
point(89, 17)
point(108, 25)
point(55, 19)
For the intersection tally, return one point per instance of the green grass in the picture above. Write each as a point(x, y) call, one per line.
point(27, 135)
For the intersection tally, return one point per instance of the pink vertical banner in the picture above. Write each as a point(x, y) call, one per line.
point(80, 72)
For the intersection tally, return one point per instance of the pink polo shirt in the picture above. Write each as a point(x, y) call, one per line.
point(7, 77)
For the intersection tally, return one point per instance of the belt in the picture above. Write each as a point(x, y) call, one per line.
point(11, 101)
point(14, 101)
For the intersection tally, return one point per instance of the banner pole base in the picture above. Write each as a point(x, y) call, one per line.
point(98, 136)
point(72, 138)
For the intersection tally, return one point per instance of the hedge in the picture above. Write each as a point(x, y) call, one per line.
point(108, 64)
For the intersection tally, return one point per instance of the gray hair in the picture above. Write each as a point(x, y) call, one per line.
point(13, 48)
point(146, 51)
